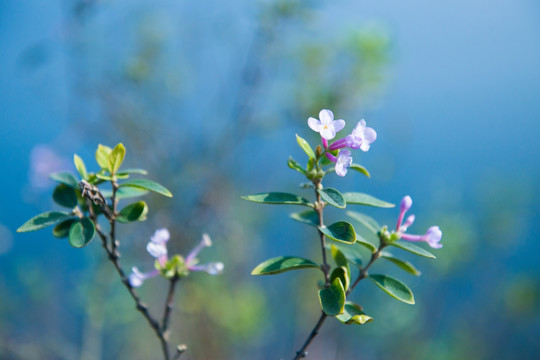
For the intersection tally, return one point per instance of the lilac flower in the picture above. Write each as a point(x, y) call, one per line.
point(360, 138)
point(344, 160)
point(157, 247)
point(326, 126)
point(432, 236)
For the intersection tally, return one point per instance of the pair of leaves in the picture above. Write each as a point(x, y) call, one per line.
point(340, 231)
point(110, 159)
point(79, 231)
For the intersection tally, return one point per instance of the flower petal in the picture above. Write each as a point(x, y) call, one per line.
point(326, 116)
point(328, 132)
point(161, 236)
point(314, 124)
point(157, 250)
point(339, 124)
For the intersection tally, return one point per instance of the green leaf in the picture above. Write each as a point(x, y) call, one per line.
point(360, 169)
point(309, 217)
point(332, 197)
point(340, 231)
point(351, 252)
point(393, 287)
point(338, 256)
point(102, 156)
point(405, 265)
point(104, 177)
point(332, 298)
point(407, 246)
point(147, 185)
point(79, 165)
point(65, 195)
point(353, 314)
point(371, 247)
point(305, 146)
point(125, 193)
point(365, 220)
point(132, 171)
point(61, 230)
point(343, 274)
point(295, 166)
point(116, 157)
point(277, 198)
point(65, 178)
point(281, 264)
point(81, 232)
point(43, 220)
point(133, 212)
point(365, 199)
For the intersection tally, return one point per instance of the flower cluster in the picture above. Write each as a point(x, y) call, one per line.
point(432, 236)
point(157, 247)
point(360, 138)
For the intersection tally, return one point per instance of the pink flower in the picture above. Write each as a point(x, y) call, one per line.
point(361, 138)
point(432, 236)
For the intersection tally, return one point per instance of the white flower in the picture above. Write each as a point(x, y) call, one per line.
point(326, 126)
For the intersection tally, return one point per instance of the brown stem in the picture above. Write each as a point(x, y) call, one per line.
point(300, 354)
point(114, 257)
point(168, 308)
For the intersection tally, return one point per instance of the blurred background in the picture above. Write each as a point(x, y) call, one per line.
point(207, 96)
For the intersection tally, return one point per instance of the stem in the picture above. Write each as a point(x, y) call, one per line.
point(319, 207)
point(302, 352)
point(114, 256)
point(168, 308)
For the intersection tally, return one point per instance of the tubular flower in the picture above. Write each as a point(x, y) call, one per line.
point(213, 268)
point(344, 160)
point(326, 126)
point(157, 248)
point(360, 138)
point(432, 236)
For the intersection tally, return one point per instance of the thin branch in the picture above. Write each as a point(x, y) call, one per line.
point(114, 257)
point(302, 353)
point(168, 308)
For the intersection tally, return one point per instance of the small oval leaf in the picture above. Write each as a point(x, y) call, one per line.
point(65, 178)
point(332, 197)
point(365, 220)
point(102, 156)
point(353, 314)
point(305, 146)
point(340, 231)
point(368, 245)
point(81, 232)
point(412, 249)
point(132, 171)
point(43, 220)
point(116, 157)
point(61, 230)
point(351, 252)
point(147, 185)
point(332, 298)
point(65, 195)
point(133, 212)
point(365, 199)
point(360, 169)
point(277, 198)
point(283, 263)
point(342, 273)
point(295, 166)
point(405, 265)
point(79, 165)
point(393, 287)
point(309, 217)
